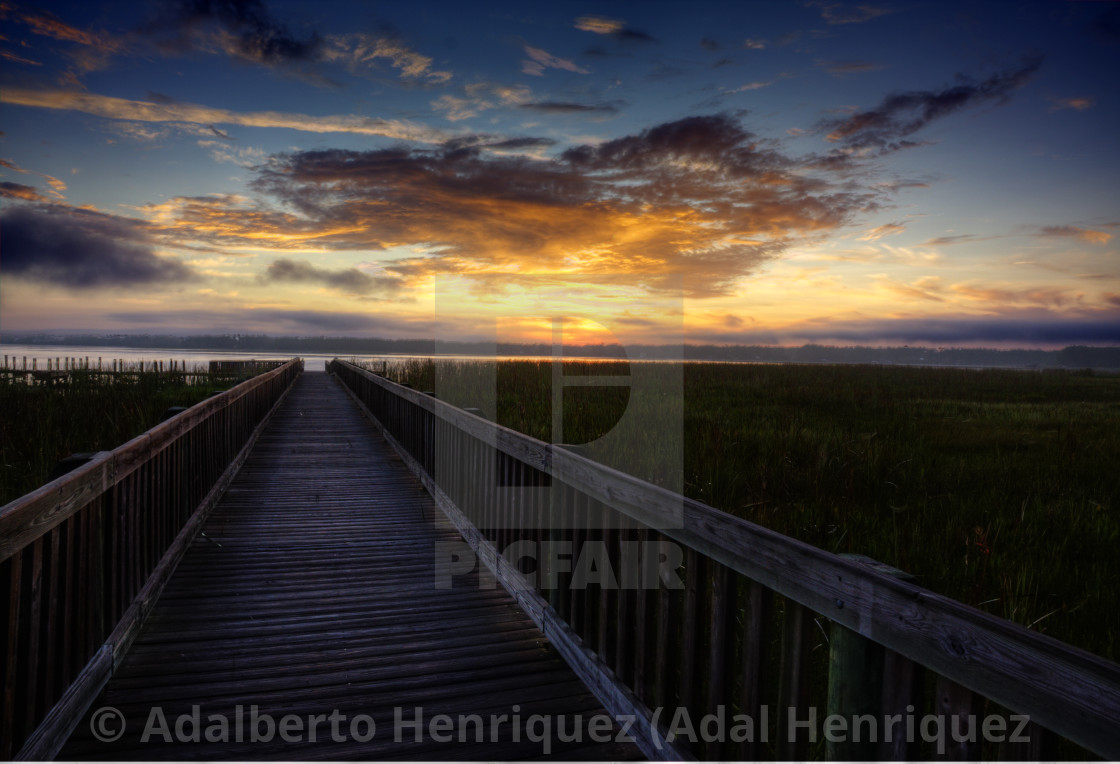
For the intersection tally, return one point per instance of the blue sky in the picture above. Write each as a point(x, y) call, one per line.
point(883, 172)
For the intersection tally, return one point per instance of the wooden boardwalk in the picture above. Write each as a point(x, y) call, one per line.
point(311, 594)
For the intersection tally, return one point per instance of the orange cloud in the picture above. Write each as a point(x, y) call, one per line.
point(993, 296)
point(925, 288)
point(226, 222)
point(692, 205)
point(1085, 234)
point(19, 59)
point(599, 25)
point(147, 111)
point(57, 186)
point(889, 229)
point(49, 26)
point(540, 59)
point(1078, 104)
point(358, 50)
point(1048, 297)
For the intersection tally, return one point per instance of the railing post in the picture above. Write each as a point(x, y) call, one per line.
point(793, 684)
point(855, 680)
point(855, 686)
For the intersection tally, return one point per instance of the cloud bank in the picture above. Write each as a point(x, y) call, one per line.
point(82, 250)
point(694, 204)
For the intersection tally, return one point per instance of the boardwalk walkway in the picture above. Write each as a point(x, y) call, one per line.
point(312, 594)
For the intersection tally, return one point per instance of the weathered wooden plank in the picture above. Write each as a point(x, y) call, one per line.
point(52, 627)
point(668, 628)
point(26, 519)
point(855, 686)
point(902, 687)
point(51, 734)
point(691, 627)
point(578, 605)
point(755, 641)
point(962, 712)
point(141, 605)
point(340, 551)
point(718, 666)
point(623, 562)
point(34, 641)
point(69, 615)
point(617, 699)
point(607, 642)
point(11, 660)
point(793, 682)
point(644, 624)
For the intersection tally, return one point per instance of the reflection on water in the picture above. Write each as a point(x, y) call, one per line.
point(13, 356)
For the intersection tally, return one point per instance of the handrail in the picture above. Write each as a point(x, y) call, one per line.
point(731, 566)
point(83, 558)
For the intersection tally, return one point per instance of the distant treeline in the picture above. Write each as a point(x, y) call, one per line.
point(1074, 357)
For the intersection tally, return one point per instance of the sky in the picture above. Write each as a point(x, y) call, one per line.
point(881, 173)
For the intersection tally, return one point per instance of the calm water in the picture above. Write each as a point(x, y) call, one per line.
point(312, 362)
point(16, 353)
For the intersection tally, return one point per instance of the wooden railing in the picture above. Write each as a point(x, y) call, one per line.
point(734, 626)
point(84, 557)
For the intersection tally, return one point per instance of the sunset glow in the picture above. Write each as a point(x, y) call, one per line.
point(757, 173)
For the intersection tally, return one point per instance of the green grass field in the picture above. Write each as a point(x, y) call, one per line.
point(998, 488)
point(43, 423)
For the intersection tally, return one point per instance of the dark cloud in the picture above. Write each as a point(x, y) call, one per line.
point(665, 71)
point(160, 98)
point(838, 68)
point(629, 34)
point(1050, 331)
point(249, 31)
point(716, 139)
point(80, 249)
point(945, 241)
point(709, 44)
point(613, 28)
point(496, 143)
point(279, 321)
point(11, 190)
point(568, 107)
point(846, 13)
point(1106, 25)
point(520, 143)
point(889, 126)
point(348, 280)
point(1039, 329)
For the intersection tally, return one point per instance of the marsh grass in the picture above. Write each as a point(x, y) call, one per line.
point(83, 410)
point(995, 487)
